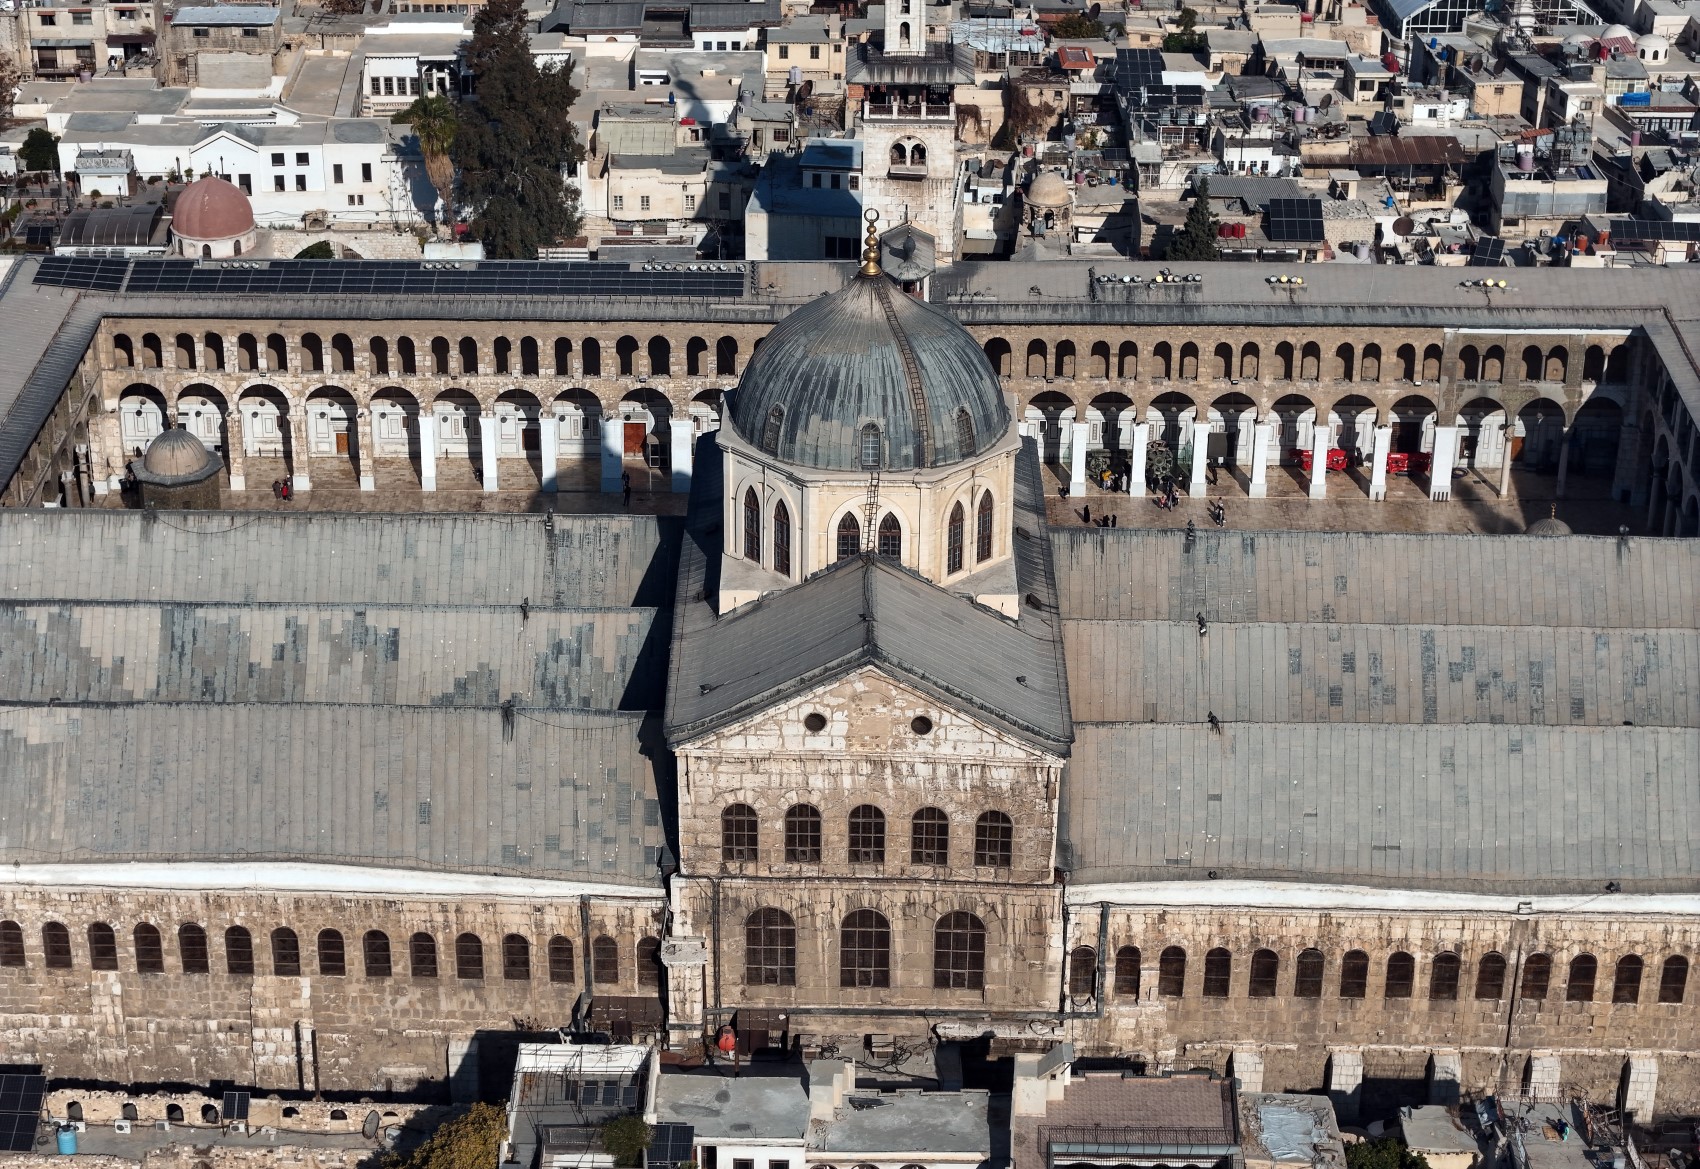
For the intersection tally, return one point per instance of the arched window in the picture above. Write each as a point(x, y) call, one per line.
point(964, 432)
point(959, 952)
point(1401, 975)
point(649, 962)
point(770, 949)
point(1626, 983)
point(1490, 977)
point(286, 953)
point(422, 955)
point(238, 951)
point(516, 958)
point(864, 950)
point(605, 961)
point(1537, 976)
point(1307, 974)
point(150, 950)
point(1082, 972)
point(891, 537)
point(1354, 974)
point(1127, 971)
point(1171, 972)
point(781, 539)
point(469, 957)
point(899, 154)
point(192, 949)
point(994, 840)
point(1673, 979)
point(770, 430)
point(1443, 978)
point(802, 835)
point(738, 833)
point(929, 838)
point(1580, 986)
point(953, 544)
point(752, 526)
point(375, 953)
point(870, 447)
point(1265, 972)
point(867, 835)
point(103, 947)
point(332, 960)
point(561, 960)
point(849, 536)
point(56, 946)
point(983, 530)
point(1218, 973)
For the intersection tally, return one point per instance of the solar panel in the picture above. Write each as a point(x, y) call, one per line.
point(1656, 229)
point(235, 1107)
point(671, 1144)
point(1138, 69)
point(1295, 220)
point(20, 1111)
point(1489, 253)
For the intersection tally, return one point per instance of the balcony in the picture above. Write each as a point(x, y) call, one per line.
point(908, 112)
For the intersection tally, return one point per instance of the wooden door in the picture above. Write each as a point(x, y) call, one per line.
point(634, 438)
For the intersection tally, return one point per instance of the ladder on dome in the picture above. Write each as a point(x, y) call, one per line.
point(870, 513)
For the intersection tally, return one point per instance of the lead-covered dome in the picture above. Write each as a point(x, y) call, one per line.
point(176, 455)
point(212, 209)
point(868, 354)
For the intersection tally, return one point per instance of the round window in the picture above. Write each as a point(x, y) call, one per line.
point(921, 725)
point(814, 722)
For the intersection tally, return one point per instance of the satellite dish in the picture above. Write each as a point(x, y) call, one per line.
point(1403, 226)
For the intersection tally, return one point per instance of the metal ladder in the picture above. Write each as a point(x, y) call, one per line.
point(870, 513)
point(912, 375)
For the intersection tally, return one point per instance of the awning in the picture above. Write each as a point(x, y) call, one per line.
point(45, 44)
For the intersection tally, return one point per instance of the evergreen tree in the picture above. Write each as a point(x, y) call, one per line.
point(40, 152)
point(516, 140)
point(1196, 239)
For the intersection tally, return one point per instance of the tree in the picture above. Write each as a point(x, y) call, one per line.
point(40, 151)
point(1078, 26)
point(1386, 1153)
point(435, 127)
point(516, 141)
point(319, 251)
point(1188, 20)
point(469, 1141)
point(625, 1138)
point(1196, 240)
point(10, 78)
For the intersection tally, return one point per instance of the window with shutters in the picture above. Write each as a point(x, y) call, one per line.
point(561, 960)
point(516, 958)
point(1354, 975)
point(1127, 972)
point(469, 957)
point(1307, 974)
point(286, 953)
point(1401, 975)
point(1218, 973)
point(332, 959)
point(1490, 977)
point(375, 954)
point(422, 955)
point(150, 950)
point(605, 961)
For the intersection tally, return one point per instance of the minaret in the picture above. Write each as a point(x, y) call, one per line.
point(905, 28)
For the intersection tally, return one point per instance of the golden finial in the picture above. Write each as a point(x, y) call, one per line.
point(871, 246)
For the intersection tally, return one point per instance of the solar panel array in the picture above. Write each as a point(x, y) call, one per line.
point(235, 1107)
point(1138, 69)
point(399, 278)
point(1489, 253)
point(20, 1111)
point(1656, 229)
point(671, 1144)
point(1295, 221)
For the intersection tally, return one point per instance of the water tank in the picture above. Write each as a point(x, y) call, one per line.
point(67, 1137)
point(1634, 138)
point(1526, 159)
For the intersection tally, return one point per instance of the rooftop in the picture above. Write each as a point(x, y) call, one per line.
point(748, 1108)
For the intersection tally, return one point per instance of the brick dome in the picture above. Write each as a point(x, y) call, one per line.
point(212, 209)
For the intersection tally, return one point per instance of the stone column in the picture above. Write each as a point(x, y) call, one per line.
point(1440, 473)
point(1077, 457)
point(1319, 440)
point(1563, 463)
point(1544, 1071)
point(1378, 461)
point(366, 447)
point(1642, 1088)
point(1447, 1074)
point(1248, 1068)
point(613, 452)
point(301, 479)
point(549, 449)
point(487, 460)
point(1625, 480)
point(1262, 439)
point(428, 448)
point(686, 962)
point(1136, 459)
point(1505, 455)
point(234, 449)
point(681, 437)
point(1345, 1081)
point(1200, 456)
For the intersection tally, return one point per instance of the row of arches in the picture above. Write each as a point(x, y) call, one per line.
point(1493, 981)
point(313, 352)
point(865, 836)
point(377, 957)
point(864, 950)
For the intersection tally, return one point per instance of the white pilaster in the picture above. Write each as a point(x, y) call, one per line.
point(613, 452)
point(1378, 462)
point(1263, 437)
point(1642, 1088)
point(1440, 475)
point(1200, 457)
point(1346, 1081)
point(681, 441)
point(1136, 457)
point(427, 449)
point(1563, 464)
point(1446, 1075)
point(487, 449)
point(1077, 457)
point(300, 478)
point(549, 450)
point(366, 447)
point(1319, 460)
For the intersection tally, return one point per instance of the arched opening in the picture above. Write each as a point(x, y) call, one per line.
point(590, 357)
point(1064, 366)
point(469, 957)
point(803, 833)
point(124, 353)
point(1222, 361)
point(696, 354)
point(1369, 369)
point(342, 353)
point(1098, 364)
point(578, 425)
point(1405, 361)
point(890, 537)
point(1218, 973)
point(422, 955)
point(1443, 978)
point(1082, 972)
point(625, 354)
point(516, 958)
point(1579, 987)
point(380, 351)
point(1354, 974)
point(1127, 360)
point(459, 425)
point(660, 357)
point(1251, 361)
point(312, 353)
point(1308, 974)
point(1171, 972)
point(781, 539)
point(141, 418)
point(212, 352)
point(1470, 363)
point(866, 825)
point(1557, 366)
point(501, 355)
point(998, 354)
point(1481, 433)
point(1037, 356)
point(1345, 362)
point(563, 357)
point(1265, 973)
point(330, 426)
point(1310, 362)
point(333, 962)
point(1493, 364)
point(286, 953)
point(1189, 362)
point(726, 356)
point(529, 364)
point(1127, 972)
point(1414, 418)
point(1285, 359)
point(1537, 435)
point(739, 834)
point(1431, 363)
point(956, 531)
point(752, 526)
point(375, 953)
point(1490, 977)
point(983, 529)
point(440, 356)
point(1594, 438)
point(849, 536)
point(468, 356)
point(153, 355)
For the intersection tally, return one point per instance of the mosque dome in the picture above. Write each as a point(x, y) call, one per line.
point(1049, 190)
point(869, 356)
point(1548, 526)
point(177, 454)
point(1617, 32)
point(212, 209)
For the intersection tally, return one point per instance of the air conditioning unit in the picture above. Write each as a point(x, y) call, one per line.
point(239, 1128)
point(162, 1125)
point(121, 1127)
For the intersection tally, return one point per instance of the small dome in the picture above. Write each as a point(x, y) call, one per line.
point(843, 362)
point(1615, 32)
point(176, 454)
point(212, 209)
point(1049, 190)
point(1550, 526)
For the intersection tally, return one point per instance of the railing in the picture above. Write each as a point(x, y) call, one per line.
point(907, 110)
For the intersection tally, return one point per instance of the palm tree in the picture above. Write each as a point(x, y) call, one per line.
point(434, 123)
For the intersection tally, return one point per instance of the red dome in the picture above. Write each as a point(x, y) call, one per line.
point(212, 208)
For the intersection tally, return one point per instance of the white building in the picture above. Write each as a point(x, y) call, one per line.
point(414, 55)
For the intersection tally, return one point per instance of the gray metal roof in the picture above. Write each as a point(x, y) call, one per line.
point(565, 795)
point(228, 15)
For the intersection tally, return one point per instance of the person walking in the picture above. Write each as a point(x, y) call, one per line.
point(626, 487)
